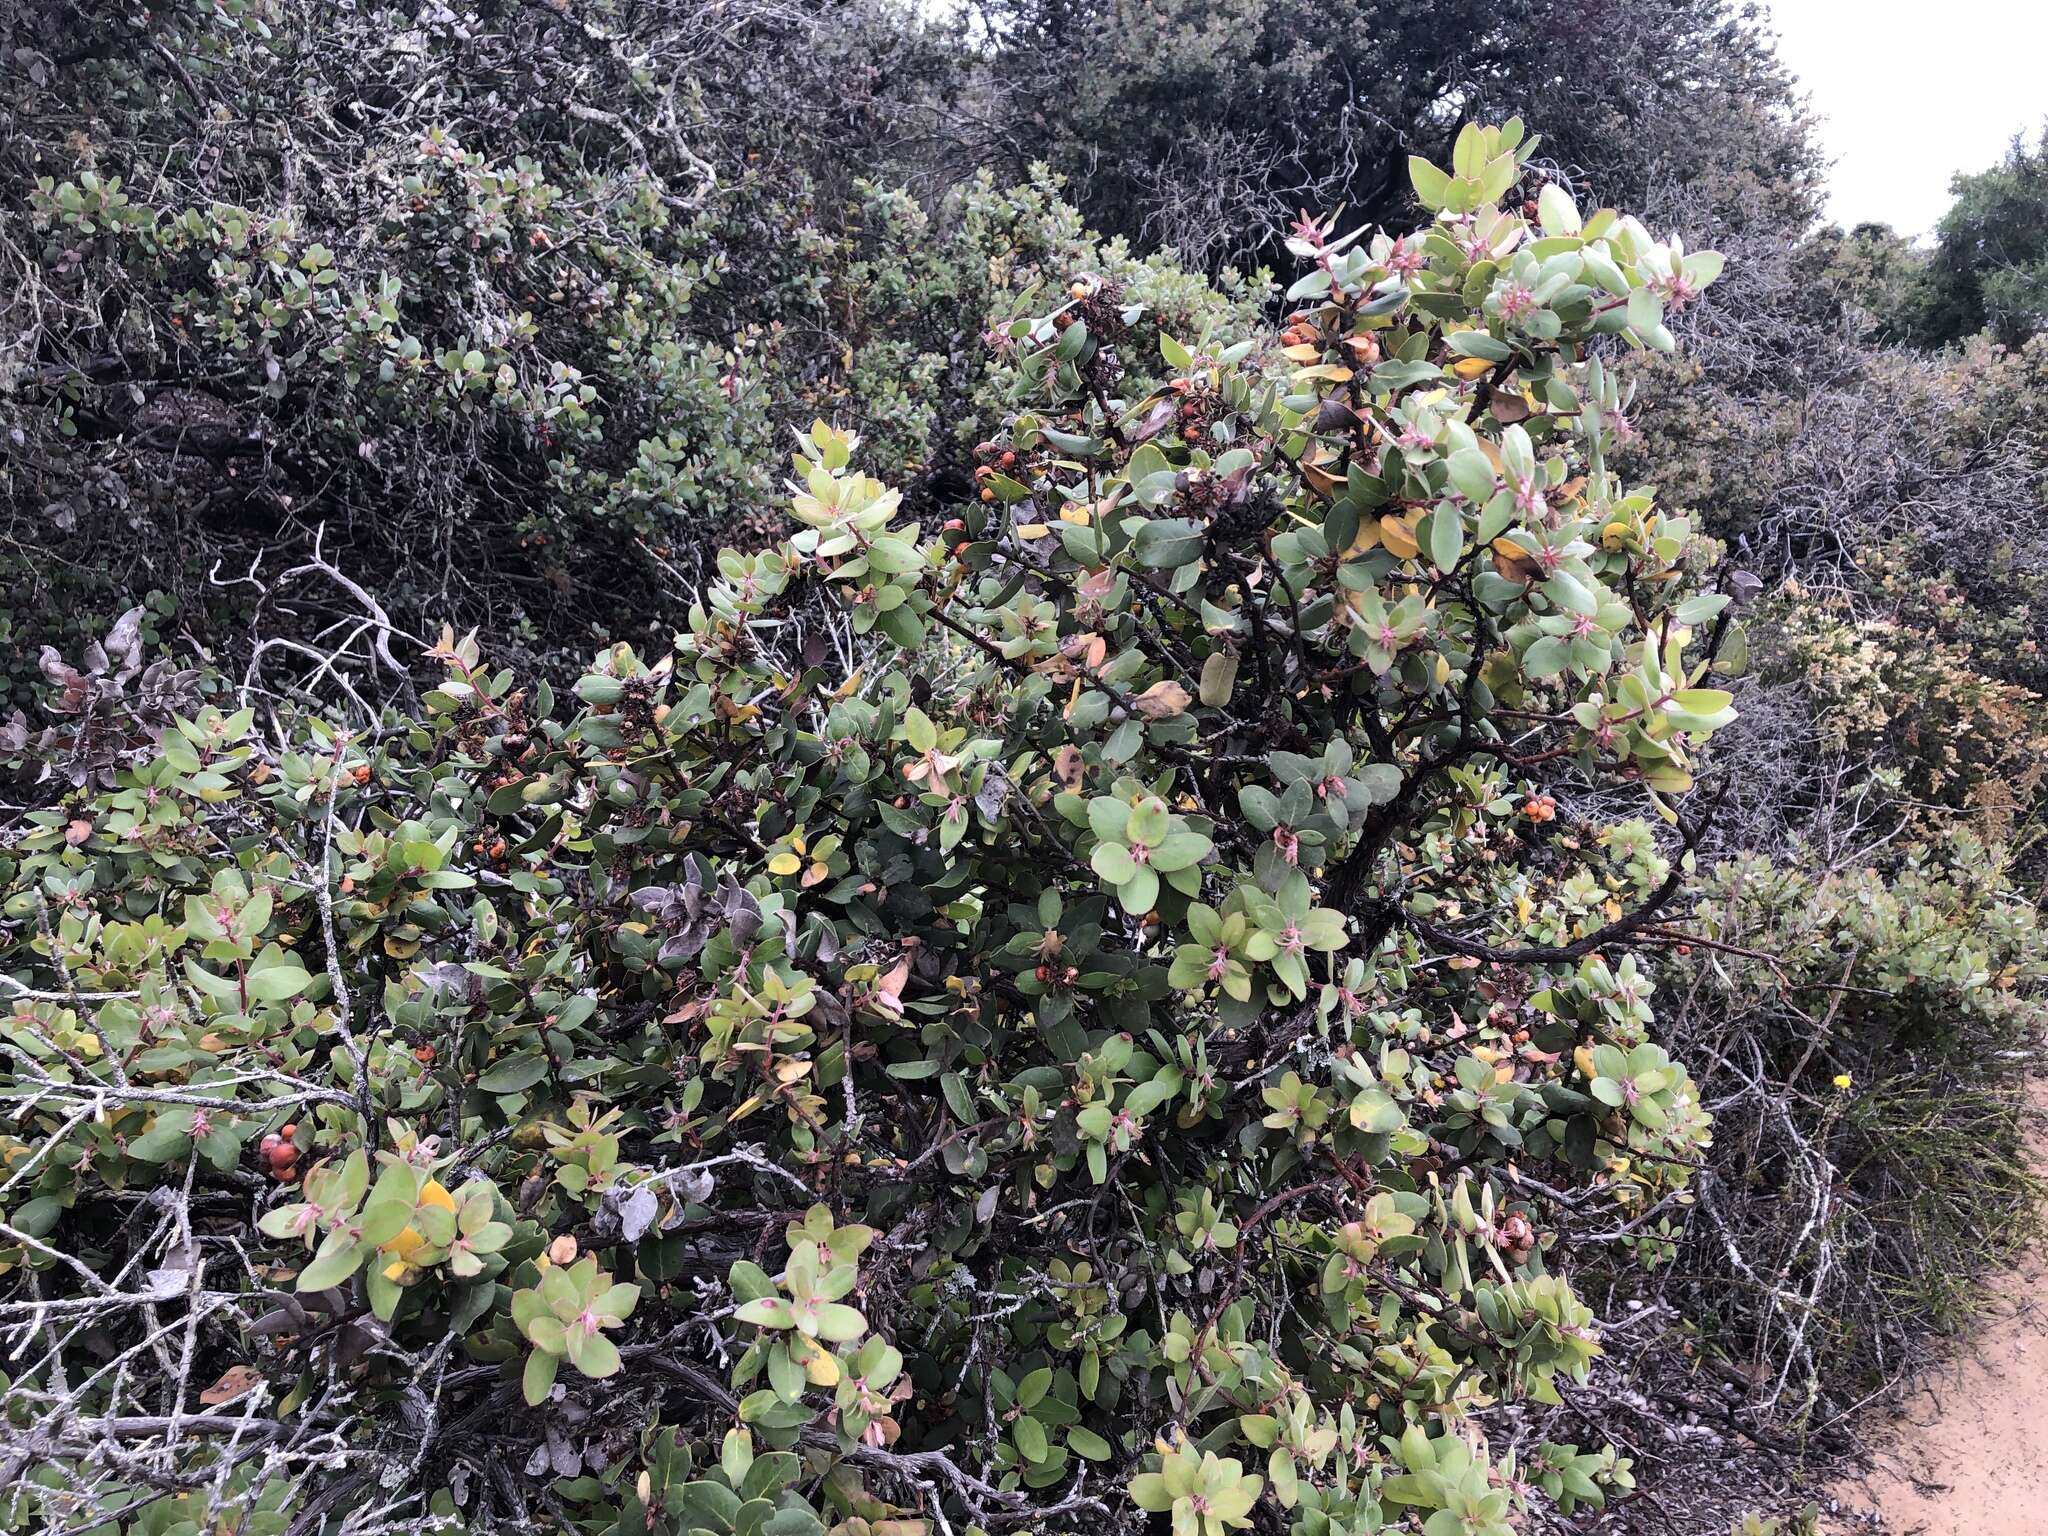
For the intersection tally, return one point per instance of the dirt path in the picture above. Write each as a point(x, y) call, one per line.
point(1968, 1454)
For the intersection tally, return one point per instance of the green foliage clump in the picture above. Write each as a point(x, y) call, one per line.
point(1114, 1004)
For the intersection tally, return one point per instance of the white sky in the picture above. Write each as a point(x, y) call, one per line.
point(1910, 93)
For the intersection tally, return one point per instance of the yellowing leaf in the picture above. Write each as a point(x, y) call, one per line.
point(1398, 534)
point(822, 1369)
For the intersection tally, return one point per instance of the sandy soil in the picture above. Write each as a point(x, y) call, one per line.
point(1968, 1453)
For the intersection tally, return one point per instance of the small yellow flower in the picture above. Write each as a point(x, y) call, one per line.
point(1842, 1080)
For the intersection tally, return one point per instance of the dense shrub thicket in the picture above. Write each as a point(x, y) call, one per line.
point(516, 351)
point(1098, 997)
point(515, 303)
point(1159, 962)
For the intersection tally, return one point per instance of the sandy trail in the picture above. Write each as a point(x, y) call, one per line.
point(1968, 1453)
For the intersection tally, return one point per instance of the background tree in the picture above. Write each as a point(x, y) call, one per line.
point(1206, 127)
point(1989, 267)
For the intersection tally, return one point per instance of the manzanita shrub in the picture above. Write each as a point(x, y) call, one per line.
point(1114, 1013)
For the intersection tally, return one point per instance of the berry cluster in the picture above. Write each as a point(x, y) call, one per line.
point(280, 1154)
point(992, 459)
